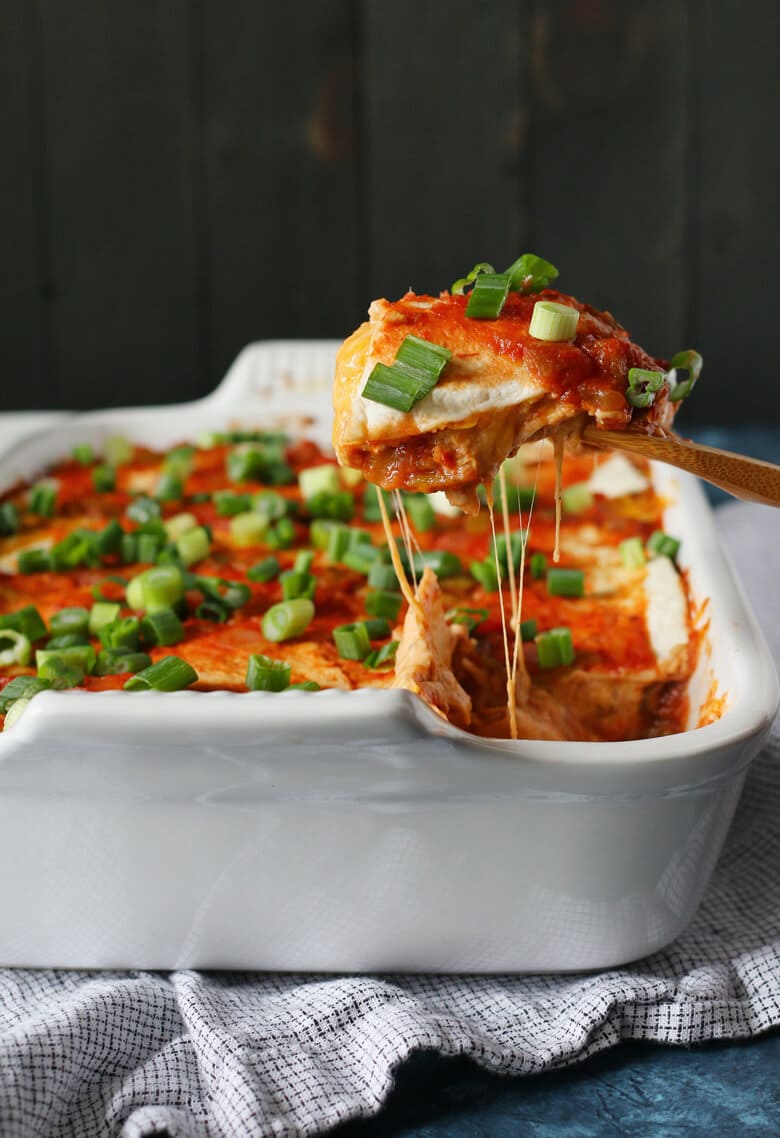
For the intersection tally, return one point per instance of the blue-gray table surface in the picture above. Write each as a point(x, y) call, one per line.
point(731, 1090)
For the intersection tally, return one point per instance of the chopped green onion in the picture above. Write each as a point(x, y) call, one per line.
point(441, 561)
point(148, 547)
point(143, 509)
point(338, 506)
point(577, 499)
point(264, 570)
point(43, 498)
point(488, 296)
point(80, 547)
point(230, 594)
point(83, 454)
point(72, 619)
point(26, 620)
point(377, 628)
point(128, 548)
point(9, 519)
point(67, 640)
point(631, 553)
point(118, 451)
point(169, 674)
point(15, 648)
point(305, 685)
point(352, 641)
point(265, 674)
point(109, 539)
point(484, 572)
point(555, 649)
point(281, 535)
point(304, 559)
point(459, 286)
point(169, 487)
point(361, 541)
point(272, 505)
point(371, 511)
point(288, 619)
point(69, 664)
point(160, 587)
point(101, 614)
point(527, 629)
point(420, 511)
point(178, 461)
point(34, 561)
point(162, 627)
point(382, 576)
point(248, 529)
point(565, 582)
point(643, 386)
point(423, 356)
point(663, 545)
point(123, 634)
point(179, 524)
point(382, 602)
point(360, 558)
point(297, 585)
point(212, 610)
point(104, 478)
point(15, 713)
point(20, 687)
point(318, 480)
point(119, 663)
point(319, 532)
point(259, 462)
point(538, 566)
point(516, 546)
point(229, 504)
point(553, 322)
point(413, 375)
point(381, 657)
point(193, 545)
point(472, 618)
point(685, 368)
point(530, 273)
point(338, 541)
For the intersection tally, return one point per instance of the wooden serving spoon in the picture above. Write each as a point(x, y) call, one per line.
point(748, 478)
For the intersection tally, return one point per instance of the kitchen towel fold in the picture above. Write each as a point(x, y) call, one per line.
point(221, 1054)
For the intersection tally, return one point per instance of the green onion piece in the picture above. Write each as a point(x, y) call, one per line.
point(281, 535)
point(118, 663)
point(194, 545)
point(259, 462)
point(319, 532)
point(553, 322)
point(66, 640)
point(684, 370)
point(212, 610)
point(488, 296)
point(179, 461)
point(9, 519)
point(43, 498)
point(272, 505)
point(377, 628)
point(420, 511)
point(101, 614)
point(147, 548)
point(128, 548)
point(631, 553)
point(555, 649)
point(264, 570)
point(123, 634)
point(530, 273)
point(169, 487)
point(80, 547)
point(319, 480)
point(577, 499)
point(162, 627)
point(516, 546)
point(288, 619)
point(423, 356)
point(69, 664)
point(538, 566)
point(15, 648)
point(297, 585)
point(248, 529)
point(34, 561)
point(230, 594)
point(160, 587)
point(26, 620)
point(118, 451)
point(304, 559)
point(413, 375)
point(527, 629)
point(484, 572)
point(643, 386)
point(371, 511)
point(179, 524)
point(265, 674)
point(20, 687)
point(565, 582)
point(459, 286)
point(305, 685)
point(109, 539)
point(663, 544)
point(382, 576)
point(15, 713)
point(382, 602)
point(360, 558)
point(229, 504)
point(169, 674)
point(104, 478)
point(143, 509)
point(352, 641)
point(83, 453)
point(337, 507)
point(338, 542)
point(360, 539)
point(72, 619)
point(382, 657)
point(472, 618)
point(441, 561)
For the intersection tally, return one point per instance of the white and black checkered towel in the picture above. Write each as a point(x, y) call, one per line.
point(196, 1054)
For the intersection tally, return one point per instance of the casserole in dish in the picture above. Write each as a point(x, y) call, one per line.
point(357, 830)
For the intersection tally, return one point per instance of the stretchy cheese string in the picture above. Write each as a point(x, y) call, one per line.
point(395, 558)
point(558, 448)
point(507, 536)
point(510, 688)
point(406, 532)
point(518, 656)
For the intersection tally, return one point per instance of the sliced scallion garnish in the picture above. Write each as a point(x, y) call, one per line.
point(118, 451)
point(530, 273)
point(384, 603)
point(71, 619)
point(43, 498)
point(122, 635)
point(288, 619)
point(565, 582)
point(15, 648)
point(229, 504)
point(413, 374)
point(352, 641)
point(103, 478)
point(632, 553)
point(643, 386)
point(26, 620)
point(488, 296)
point(101, 614)
point(319, 479)
point(684, 369)
point(34, 561)
point(160, 587)
point(119, 662)
point(383, 657)
point(555, 648)
point(281, 535)
point(248, 529)
point(553, 322)
point(577, 498)
point(9, 519)
point(527, 629)
point(193, 545)
point(472, 618)
point(162, 627)
point(169, 674)
point(459, 287)
point(663, 544)
point(265, 674)
point(484, 572)
point(83, 454)
point(338, 506)
point(421, 512)
point(70, 665)
point(538, 566)
point(296, 585)
point(264, 570)
point(382, 576)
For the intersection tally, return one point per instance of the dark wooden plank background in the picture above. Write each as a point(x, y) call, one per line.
point(178, 179)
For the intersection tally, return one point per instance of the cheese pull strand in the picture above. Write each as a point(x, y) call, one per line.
point(511, 701)
point(395, 557)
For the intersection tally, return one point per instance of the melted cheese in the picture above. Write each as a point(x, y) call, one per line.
point(666, 612)
point(616, 477)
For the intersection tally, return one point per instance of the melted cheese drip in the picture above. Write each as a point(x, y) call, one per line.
point(395, 557)
point(507, 537)
point(409, 540)
point(511, 701)
point(558, 447)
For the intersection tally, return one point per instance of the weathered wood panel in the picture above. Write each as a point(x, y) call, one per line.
point(610, 130)
point(735, 211)
point(117, 106)
point(23, 254)
point(446, 115)
point(281, 172)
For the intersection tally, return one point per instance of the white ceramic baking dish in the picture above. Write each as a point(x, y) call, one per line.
point(357, 831)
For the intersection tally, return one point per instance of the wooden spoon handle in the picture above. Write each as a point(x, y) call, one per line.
point(747, 478)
